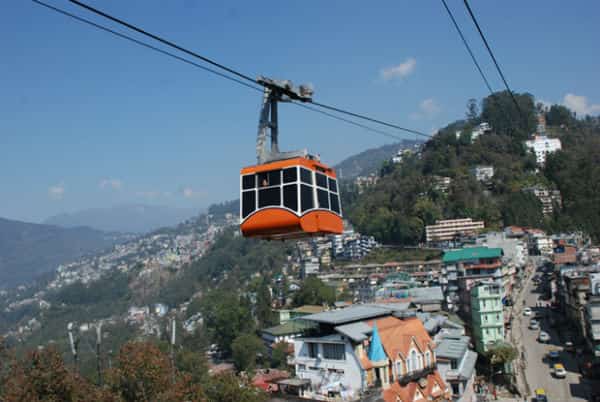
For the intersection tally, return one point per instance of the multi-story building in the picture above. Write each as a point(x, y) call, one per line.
point(456, 364)
point(464, 268)
point(542, 146)
point(481, 129)
point(447, 230)
point(592, 315)
point(363, 347)
point(310, 266)
point(487, 319)
point(483, 173)
point(363, 182)
point(548, 198)
point(442, 183)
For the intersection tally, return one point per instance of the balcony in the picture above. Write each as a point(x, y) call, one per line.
point(416, 374)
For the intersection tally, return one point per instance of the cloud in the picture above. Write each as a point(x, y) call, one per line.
point(114, 184)
point(57, 192)
point(188, 192)
point(428, 109)
point(579, 104)
point(402, 70)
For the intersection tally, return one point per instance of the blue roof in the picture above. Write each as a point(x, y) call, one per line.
point(376, 352)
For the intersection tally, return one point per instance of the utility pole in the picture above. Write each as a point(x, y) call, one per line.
point(173, 337)
point(98, 359)
point(74, 345)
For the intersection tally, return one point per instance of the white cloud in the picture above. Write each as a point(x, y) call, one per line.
point(57, 192)
point(579, 104)
point(402, 70)
point(428, 109)
point(188, 192)
point(115, 184)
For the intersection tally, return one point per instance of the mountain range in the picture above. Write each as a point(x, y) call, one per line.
point(132, 218)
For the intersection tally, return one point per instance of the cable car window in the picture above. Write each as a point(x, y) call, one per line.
point(321, 180)
point(248, 181)
point(323, 198)
point(290, 175)
point(290, 196)
point(306, 197)
point(332, 185)
point(274, 177)
point(335, 203)
point(306, 176)
point(269, 197)
point(263, 179)
point(248, 203)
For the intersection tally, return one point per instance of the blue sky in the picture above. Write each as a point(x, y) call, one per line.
point(89, 120)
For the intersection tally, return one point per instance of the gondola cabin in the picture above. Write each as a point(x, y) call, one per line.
point(289, 199)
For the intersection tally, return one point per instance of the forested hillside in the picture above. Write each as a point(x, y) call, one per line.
point(408, 196)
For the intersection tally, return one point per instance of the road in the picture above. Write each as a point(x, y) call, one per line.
point(538, 372)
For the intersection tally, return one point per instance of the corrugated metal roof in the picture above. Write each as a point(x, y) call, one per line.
point(471, 253)
point(289, 328)
point(433, 293)
point(349, 314)
point(452, 347)
point(356, 331)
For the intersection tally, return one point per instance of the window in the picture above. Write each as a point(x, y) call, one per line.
point(335, 203)
point(453, 364)
point(248, 202)
point(455, 388)
point(497, 317)
point(398, 368)
point(290, 196)
point(306, 176)
point(313, 350)
point(306, 197)
point(427, 359)
point(413, 360)
point(323, 198)
point(332, 185)
point(301, 367)
point(290, 175)
point(321, 180)
point(272, 178)
point(248, 181)
point(485, 317)
point(269, 197)
point(334, 351)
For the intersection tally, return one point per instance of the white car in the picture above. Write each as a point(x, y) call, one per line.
point(543, 337)
point(559, 371)
point(534, 325)
point(527, 311)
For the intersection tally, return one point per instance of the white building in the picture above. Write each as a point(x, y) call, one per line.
point(479, 130)
point(547, 197)
point(310, 266)
point(542, 146)
point(483, 173)
point(446, 230)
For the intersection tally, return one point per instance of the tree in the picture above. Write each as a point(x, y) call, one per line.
point(227, 388)
point(264, 313)
point(501, 354)
point(472, 111)
point(314, 291)
point(558, 115)
point(245, 349)
point(279, 355)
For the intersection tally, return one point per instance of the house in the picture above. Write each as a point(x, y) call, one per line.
point(542, 146)
point(548, 198)
point(305, 310)
point(487, 319)
point(483, 173)
point(447, 230)
point(285, 332)
point(365, 346)
point(456, 364)
point(592, 315)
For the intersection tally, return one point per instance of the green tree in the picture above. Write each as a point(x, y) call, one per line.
point(501, 354)
point(522, 209)
point(227, 388)
point(246, 349)
point(264, 312)
point(279, 355)
point(314, 291)
point(558, 115)
point(472, 111)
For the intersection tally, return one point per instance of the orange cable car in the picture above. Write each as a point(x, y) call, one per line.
point(287, 195)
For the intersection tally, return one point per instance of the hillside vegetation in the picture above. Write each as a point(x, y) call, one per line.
point(407, 198)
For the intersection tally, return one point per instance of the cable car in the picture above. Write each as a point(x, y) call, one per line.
point(287, 195)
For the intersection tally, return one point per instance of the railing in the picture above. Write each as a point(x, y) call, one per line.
point(416, 374)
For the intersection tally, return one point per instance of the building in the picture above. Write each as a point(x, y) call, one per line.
point(592, 315)
point(487, 318)
point(363, 347)
point(442, 183)
point(481, 129)
point(548, 198)
point(447, 230)
point(463, 269)
point(309, 266)
point(542, 146)
point(456, 364)
point(285, 332)
point(401, 155)
point(483, 173)
point(363, 182)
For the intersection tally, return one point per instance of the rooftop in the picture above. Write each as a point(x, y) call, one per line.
point(471, 253)
point(308, 309)
point(349, 314)
point(289, 327)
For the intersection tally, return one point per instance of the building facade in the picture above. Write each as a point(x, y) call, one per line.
point(487, 319)
point(447, 230)
point(542, 146)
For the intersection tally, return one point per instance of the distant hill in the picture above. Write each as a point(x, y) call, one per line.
point(28, 250)
point(134, 218)
point(369, 161)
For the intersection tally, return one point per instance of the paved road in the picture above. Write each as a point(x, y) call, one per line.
point(538, 367)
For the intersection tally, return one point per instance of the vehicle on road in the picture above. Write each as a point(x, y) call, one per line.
point(569, 347)
point(544, 337)
point(554, 354)
point(559, 371)
point(527, 311)
point(540, 395)
point(534, 325)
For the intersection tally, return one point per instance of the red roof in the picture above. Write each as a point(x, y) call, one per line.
point(398, 335)
point(408, 392)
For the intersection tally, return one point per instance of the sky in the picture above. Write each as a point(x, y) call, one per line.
point(88, 120)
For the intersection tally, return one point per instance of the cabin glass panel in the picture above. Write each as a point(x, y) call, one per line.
point(290, 196)
point(306, 176)
point(290, 175)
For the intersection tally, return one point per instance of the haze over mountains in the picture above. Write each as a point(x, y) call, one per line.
point(132, 218)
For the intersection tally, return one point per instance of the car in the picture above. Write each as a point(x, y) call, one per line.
point(540, 395)
point(527, 311)
point(554, 354)
point(534, 325)
point(543, 337)
point(569, 346)
point(559, 371)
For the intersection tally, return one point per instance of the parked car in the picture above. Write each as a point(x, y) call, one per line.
point(527, 311)
point(554, 354)
point(544, 337)
point(534, 325)
point(559, 371)
point(540, 395)
point(569, 347)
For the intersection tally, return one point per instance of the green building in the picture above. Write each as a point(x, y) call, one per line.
point(487, 319)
